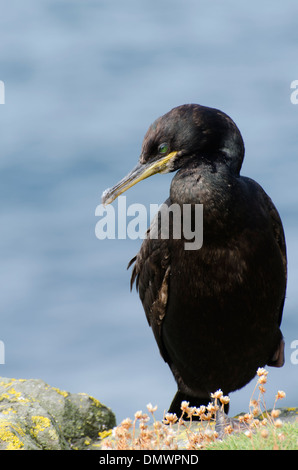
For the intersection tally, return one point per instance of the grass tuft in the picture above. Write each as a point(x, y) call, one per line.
point(258, 429)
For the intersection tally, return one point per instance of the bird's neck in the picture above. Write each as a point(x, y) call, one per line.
point(213, 187)
point(205, 183)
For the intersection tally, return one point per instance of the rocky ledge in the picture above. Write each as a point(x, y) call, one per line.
point(36, 416)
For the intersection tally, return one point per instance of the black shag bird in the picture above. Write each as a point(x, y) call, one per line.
point(215, 311)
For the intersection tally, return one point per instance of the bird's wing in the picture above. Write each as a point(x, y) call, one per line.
point(277, 228)
point(278, 358)
point(281, 241)
point(151, 273)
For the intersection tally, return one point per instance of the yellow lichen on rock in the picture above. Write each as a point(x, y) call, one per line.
point(11, 394)
point(95, 402)
point(8, 411)
point(104, 434)
point(40, 423)
point(10, 433)
point(61, 392)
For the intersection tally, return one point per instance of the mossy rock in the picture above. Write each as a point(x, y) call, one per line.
point(36, 416)
point(287, 414)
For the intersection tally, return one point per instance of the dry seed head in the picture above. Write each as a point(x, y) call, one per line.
point(138, 414)
point(224, 400)
point(194, 438)
point(170, 418)
point(261, 371)
point(126, 423)
point(191, 411)
point(212, 408)
point(228, 429)
point(278, 423)
point(256, 407)
point(262, 389)
point(265, 433)
point(185, 406)
point(280, 395)
point(275, 413)
point(248, 417)
point(254, 403)
point(151, 408)
point(262, 379)
point(142, 425)
point(200, 411)
point(217, 394)
point(121, 432)
point(157, 425)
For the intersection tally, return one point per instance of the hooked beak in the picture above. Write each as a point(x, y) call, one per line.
point(140, 172)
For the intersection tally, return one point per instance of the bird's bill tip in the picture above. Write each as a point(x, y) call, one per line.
point(136, 175)
point(139, 173)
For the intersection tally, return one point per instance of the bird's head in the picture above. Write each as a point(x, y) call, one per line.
point(190, 132)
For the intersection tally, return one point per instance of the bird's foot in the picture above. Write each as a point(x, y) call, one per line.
point(225, 425)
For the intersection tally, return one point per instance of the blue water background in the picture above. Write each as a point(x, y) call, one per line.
point(83, 81)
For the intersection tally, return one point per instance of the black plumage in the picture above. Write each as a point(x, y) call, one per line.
point(216, 311)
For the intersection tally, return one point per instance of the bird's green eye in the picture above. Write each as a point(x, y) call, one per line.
point(163, 148)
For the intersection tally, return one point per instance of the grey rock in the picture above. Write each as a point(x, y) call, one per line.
point(36, 416)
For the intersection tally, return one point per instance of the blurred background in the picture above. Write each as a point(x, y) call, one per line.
point(83, 81)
